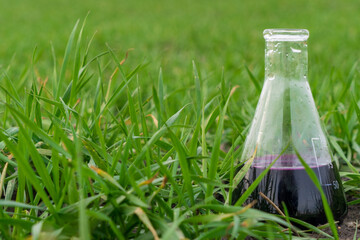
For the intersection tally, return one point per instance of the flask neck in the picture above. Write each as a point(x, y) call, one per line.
point(286, 60)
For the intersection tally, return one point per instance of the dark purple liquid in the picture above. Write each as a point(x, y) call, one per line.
point(294, 187)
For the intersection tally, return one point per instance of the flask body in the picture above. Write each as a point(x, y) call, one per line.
point(286, 124)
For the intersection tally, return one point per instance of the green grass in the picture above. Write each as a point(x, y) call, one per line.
point(96, 146)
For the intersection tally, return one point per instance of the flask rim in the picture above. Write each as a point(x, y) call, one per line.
point(285, 35)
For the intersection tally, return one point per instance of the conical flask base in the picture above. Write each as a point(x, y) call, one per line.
point(294, 188)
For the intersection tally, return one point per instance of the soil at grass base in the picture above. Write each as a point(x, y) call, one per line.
point(347, 229)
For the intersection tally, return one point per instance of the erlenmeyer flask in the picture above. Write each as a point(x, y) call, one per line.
point(286, 120)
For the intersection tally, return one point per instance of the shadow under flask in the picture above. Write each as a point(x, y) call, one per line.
point(286, 122)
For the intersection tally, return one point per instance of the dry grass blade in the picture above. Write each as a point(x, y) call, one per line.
point(227, 215)
point(3, 174)
point(272, 203)
point(106, 176)
point(149, 181)
point(126, 56)
point(144, 218)
point(250, 205)
point(156, 122)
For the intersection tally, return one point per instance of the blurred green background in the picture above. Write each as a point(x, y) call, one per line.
point(220, 36)
point(171, 34)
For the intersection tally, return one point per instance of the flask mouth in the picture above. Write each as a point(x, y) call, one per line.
point(281, 35)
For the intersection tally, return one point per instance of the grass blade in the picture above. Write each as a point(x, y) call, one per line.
point(65, 62)
point(327, 208)
point(255, 81)
point(216, 148)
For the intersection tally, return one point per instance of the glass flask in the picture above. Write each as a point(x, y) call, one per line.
point(286, 121)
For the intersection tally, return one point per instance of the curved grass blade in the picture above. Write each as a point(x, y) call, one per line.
point(216, 149)
point(39, 132)
point(184, 165)
point(10, 203)
point(65, 61)
point(257, 181)
point(20, 223)
point(327, 208)
point(156, 136)
point(254, 80)
point(144, 218)
point(29, 173)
